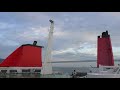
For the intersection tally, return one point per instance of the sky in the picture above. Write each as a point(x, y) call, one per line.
point(75, 33)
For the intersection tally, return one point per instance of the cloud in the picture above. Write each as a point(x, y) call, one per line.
point(113, 14)
point(68, 50)
point(116, 52)
point(34, 33)
point(33, 16)
point(9, 43)
point(40, 33)
point(85, 50)
point(4, 25)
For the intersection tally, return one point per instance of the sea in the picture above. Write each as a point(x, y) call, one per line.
point(80, 66)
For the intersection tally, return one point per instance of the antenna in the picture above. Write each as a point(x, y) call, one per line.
point(47, 66)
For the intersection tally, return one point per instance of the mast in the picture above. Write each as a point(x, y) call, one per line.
point(47, 66)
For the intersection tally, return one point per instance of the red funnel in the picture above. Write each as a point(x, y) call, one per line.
point(104, 50)
point(25, 56)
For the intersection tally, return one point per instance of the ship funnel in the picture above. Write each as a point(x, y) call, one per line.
point(104, 50)
point(26, 55)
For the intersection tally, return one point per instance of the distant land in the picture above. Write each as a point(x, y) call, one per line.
point(116, 60)
point(1, 59)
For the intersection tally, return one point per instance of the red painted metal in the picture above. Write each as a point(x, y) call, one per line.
point(104, 51)
point(25, 56)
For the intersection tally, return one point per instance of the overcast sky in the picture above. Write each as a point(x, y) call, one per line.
point(75, 33)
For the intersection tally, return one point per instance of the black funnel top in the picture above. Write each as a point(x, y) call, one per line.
point(105, 34)
point(35, 43)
